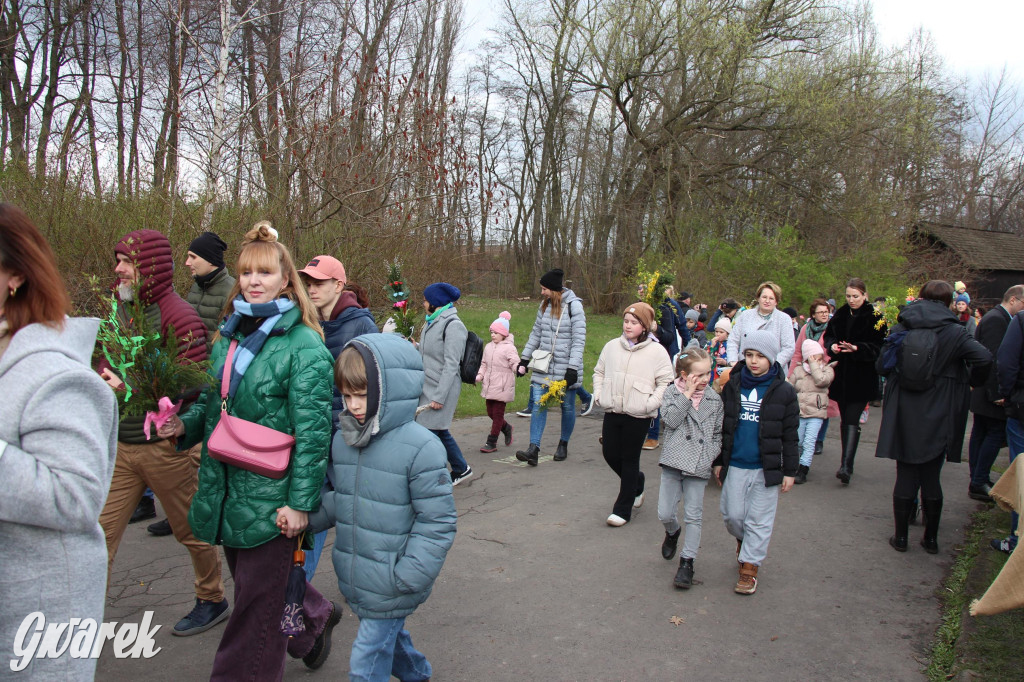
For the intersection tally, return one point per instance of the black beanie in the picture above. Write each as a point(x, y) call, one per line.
point(210, 248)
point(552, 279)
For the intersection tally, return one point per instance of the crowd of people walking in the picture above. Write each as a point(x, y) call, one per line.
point(360, 422)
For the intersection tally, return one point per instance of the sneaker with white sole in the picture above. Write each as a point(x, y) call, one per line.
point(524, 413)
point(459, 478)
point(587, 407)
point(616, 521)
point(638, 500)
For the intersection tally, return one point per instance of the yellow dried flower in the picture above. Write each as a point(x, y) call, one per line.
point(554, 395)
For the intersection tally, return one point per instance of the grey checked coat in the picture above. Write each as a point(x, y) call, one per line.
point(691, 438)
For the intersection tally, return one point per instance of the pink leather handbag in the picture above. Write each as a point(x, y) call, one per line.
point(245, 444)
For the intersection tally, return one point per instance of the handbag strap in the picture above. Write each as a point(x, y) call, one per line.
point(554, 336)
point(225, 379)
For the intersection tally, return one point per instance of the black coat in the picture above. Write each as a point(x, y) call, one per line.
point(990, 333)
point(918, 426)
point(856, 380)
point(777, 429)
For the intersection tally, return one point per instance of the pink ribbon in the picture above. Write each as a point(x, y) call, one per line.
point(167, 410)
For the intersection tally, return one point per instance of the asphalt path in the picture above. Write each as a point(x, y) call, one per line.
point(538, 587)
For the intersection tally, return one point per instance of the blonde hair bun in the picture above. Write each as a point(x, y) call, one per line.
point(263, 231)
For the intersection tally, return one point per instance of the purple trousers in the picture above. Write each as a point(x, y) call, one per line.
point(253, 647)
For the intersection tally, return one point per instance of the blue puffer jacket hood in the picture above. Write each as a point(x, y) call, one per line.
point(390, 501)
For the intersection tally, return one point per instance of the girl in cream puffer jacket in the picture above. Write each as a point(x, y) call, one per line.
point(811, 379)
point(629, 382)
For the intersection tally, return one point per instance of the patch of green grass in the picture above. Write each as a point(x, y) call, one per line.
point(478, 313)
point(989, 646)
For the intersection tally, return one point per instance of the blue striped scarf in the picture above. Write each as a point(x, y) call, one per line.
point(250, 346)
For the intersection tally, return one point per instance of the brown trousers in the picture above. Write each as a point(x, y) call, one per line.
point(172, 476)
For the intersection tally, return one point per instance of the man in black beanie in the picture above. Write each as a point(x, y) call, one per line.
point(210, 290)
point(212, 283)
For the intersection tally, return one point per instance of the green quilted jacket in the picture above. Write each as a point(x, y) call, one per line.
point(287, 387)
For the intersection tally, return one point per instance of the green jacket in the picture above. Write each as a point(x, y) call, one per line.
point(209, 298)
point(287, 387)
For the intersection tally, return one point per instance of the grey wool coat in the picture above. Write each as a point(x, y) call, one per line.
point(442, 352)
point(568, 346)
point(58, 443)
point(691, 438)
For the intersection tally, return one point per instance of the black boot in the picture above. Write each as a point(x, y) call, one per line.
point(684, 576)
point(851, 436)
point(562, 451)
point(145, 510)
point(668, 547)
point(901, 510)
point(506, 431)
point(818, 447)
point(914, 509)
point(491, 445)
point(932, 513)
point(529, 455)
point(801, 474)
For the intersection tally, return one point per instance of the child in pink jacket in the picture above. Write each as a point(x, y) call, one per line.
point(498, 374)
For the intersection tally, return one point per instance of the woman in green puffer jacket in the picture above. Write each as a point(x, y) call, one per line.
point(280, 378)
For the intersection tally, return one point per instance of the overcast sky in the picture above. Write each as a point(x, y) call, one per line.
point(972, 37)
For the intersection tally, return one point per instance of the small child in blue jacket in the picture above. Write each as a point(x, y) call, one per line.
point(395, 520)
point(760, 450)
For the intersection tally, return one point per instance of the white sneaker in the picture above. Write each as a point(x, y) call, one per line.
point(616, 520)
point(638, 500)
point(524, 413)
point(587, 407)
point(459, 478)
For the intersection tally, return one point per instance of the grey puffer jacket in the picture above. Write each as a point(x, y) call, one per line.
point(58, 444)
point(442, 344)
point(568, 346)
point(391, 503)
point(691, 438)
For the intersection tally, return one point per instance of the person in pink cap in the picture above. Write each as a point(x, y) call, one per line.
point(342, 319)
point(498, 374)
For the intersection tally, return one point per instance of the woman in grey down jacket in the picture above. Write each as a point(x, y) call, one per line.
point(560, 330)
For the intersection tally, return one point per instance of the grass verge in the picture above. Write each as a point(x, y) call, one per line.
point(984, 647)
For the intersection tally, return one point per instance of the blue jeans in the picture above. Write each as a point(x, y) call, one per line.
point(313, 556)
point(455, 457)
point(988, 436)
point(382, 649)
point(539, 418)
point(822, 431)
point(583, 395)
point(808, 435)
point(1015, 441)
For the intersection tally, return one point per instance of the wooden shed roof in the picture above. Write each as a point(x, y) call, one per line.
point(980, 249)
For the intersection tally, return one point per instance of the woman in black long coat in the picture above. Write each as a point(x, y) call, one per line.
point(853, 342)
point(923, 429)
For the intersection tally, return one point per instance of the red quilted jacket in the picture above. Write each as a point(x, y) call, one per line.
point(152, 255)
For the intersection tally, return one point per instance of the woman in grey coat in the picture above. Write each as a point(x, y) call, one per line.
point(560, 331)
point(442, 343)
point(58, 441)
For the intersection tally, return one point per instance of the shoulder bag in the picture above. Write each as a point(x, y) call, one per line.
point(244, 444)
point(540, 360)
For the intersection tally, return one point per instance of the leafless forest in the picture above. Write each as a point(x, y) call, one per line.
point(728, 140)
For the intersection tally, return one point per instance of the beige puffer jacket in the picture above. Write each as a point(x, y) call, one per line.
point(812, 389)
point(632, 379)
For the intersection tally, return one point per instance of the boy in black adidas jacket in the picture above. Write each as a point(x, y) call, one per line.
point(760, 451)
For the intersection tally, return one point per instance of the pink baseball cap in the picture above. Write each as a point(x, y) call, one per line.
point(325, 267)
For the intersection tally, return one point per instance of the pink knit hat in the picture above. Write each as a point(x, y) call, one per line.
point(500, 325)
point(809, 348)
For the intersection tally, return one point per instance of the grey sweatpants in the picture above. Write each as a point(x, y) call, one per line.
point(675, 485)
point(748, 508)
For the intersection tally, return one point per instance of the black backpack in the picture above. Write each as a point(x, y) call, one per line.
point(916, 366)
point(472, 355)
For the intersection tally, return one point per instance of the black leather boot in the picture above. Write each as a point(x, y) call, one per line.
point(506, 431)
point(562, 451)
point(529, 455)
point(932, 510)
point(668, 547)
point(851, 436)
point(902, 507)
point(801, 474)
point(684, 576)
point(491, 445)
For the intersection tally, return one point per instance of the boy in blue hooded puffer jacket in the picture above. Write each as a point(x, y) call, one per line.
point(391, 504)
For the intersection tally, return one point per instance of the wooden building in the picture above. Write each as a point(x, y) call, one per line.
point(995, 259)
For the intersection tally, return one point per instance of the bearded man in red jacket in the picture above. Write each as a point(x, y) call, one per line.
point(145, 267)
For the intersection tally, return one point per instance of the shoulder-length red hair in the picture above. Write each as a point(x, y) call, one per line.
point(24, 251)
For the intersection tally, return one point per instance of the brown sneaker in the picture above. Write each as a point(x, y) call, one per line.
point(747, 583)
point(650, 444)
